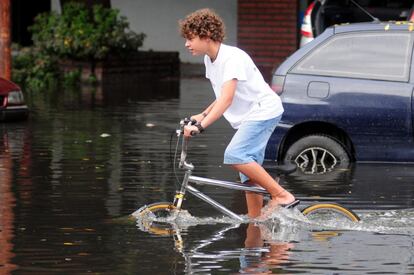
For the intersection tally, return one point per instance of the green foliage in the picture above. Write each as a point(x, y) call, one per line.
point(76, 34)
point(81, 34)
point(34, 70)
point(72, 78)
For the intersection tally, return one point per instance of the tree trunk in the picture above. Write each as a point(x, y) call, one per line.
point(5, 39)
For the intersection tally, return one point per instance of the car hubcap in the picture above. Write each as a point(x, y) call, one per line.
point(316, 160)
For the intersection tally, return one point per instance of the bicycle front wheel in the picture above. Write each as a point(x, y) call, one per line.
point(149, 217)
point(323, 211)
point(155, 210)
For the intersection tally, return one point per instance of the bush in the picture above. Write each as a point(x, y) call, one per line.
point(80, 34)
point(72, 78)
point(33, 69)
point(76, 34)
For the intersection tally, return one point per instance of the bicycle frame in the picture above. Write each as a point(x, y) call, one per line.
point(190, 179)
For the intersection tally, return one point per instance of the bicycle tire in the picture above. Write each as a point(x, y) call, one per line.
point(158, 210)
point(333, 207)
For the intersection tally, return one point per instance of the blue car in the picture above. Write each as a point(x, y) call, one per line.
point(348, 96)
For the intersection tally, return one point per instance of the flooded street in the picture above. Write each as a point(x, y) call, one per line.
point(85, 160)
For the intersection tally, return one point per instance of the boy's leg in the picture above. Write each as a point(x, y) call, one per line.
point(254, 204)
point(257, 174)
point(245, 153)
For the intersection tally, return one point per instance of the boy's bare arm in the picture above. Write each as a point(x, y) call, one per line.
point(207, 111)
point(217, 108)
point(202, 115)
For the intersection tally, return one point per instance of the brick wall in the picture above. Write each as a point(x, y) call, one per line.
point(267, 31)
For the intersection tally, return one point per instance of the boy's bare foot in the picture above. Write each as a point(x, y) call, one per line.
point(284, 199)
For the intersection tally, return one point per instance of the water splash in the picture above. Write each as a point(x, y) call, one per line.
point(177, 220)
point(388, 222)
point(285, 223)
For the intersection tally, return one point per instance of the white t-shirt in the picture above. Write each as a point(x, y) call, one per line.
point(254, 99)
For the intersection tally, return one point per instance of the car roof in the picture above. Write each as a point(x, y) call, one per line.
point(7, 86)
point(375, 26)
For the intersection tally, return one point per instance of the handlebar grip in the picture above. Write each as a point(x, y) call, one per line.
point(188, 120)
point(194, 133)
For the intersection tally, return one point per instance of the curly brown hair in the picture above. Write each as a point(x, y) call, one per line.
point(204, 23)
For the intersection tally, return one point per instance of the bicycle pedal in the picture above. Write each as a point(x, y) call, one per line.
point(290, 205)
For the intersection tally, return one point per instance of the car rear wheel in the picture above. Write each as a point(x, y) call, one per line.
point(317, 154)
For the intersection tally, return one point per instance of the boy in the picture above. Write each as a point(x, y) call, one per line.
point(244, 99)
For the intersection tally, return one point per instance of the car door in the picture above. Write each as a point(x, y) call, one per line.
point(359, 82)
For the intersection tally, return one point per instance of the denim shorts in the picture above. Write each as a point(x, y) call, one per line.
point(249, 143)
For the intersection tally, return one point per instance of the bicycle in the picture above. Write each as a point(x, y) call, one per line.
point(161, 210)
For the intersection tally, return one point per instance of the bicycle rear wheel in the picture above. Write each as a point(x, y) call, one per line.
point(329, 211)
point(148, 218)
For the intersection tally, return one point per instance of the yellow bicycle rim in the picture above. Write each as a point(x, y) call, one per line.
point(337, 208)
point(154, 228)
point(157, 207)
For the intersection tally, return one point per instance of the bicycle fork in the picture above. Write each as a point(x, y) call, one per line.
point(179, 195)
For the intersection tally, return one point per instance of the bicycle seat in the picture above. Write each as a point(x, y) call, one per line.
point(285, 169)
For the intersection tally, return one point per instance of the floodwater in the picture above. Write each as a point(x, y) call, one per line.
point(72, 175)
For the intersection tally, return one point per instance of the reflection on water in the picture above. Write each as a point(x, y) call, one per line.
point(257, 256)
point(87, 157)
point(275, 247)
point(260, 258)
point(9, 146)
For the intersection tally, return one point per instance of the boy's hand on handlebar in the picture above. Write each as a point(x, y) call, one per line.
point(192, 127)
point(190, 130)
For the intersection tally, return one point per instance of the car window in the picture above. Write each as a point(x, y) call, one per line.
point(369, 55)
point(387, 3)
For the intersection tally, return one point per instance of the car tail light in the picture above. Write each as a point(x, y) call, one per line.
point(15, 98)
point(306, 29)
point(412, 17)
point(277, 83)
